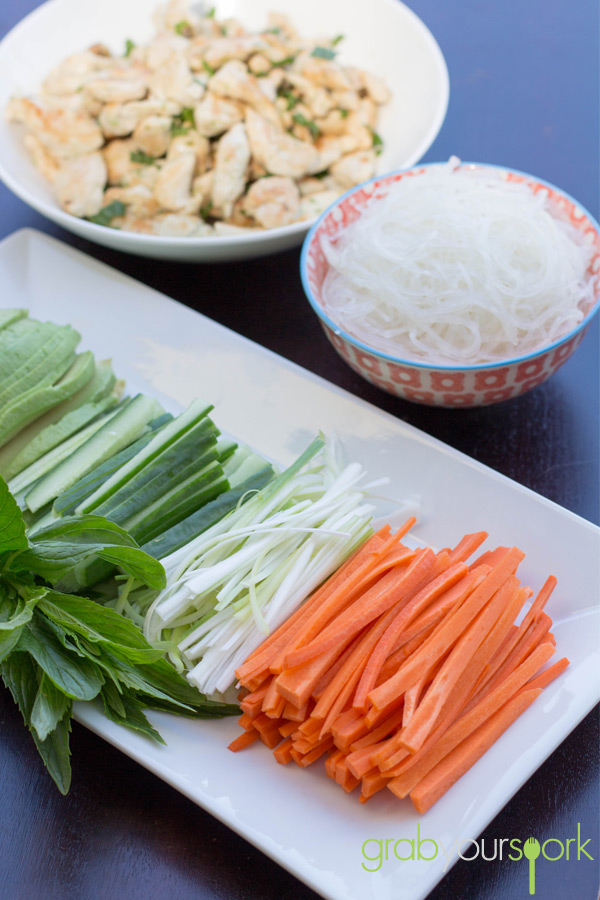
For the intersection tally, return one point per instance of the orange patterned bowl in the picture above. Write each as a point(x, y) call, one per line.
point(443, 385)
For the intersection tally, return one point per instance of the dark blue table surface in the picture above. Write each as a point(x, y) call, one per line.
point(524, 92)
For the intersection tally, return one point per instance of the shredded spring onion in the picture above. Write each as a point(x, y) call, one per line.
point(458, 266)
point(245, 575)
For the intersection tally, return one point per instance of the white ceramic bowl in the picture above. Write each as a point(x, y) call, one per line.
point(383, 36)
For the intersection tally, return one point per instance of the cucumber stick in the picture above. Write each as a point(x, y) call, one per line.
point(167, 436)
point(66, 502)
point(124, 428)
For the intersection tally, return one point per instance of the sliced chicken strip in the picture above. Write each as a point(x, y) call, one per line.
point(230, 170)
point(173, 189)
point(172, 225)
point(117, 156)
point(278, 152)
point(46, 164)
point(63, 132)
point(314, 204)
point(183, 143)
point(79, 185)
point(118, 85)
point(323, 72)
point(214, 115)
point(174, 81)
point(272, 201)
point(153, 135)
point(235, 82)
point(222, 50)
point(139, 200)
point(69, 75)
point(354, 168)
point(121, 119)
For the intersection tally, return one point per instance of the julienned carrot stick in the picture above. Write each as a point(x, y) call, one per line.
point(386, 592)
point(548, 675)
point(344, 590)
point(450, 769)
point(422, 763)
point(282, 753)
point(467, 545)
point(426, 716)
point(244, 740)
point(282, 635)
point(526, 643)
point(437, 645)
point(454, 582)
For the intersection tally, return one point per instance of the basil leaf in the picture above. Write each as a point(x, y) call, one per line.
point(22, 677)
point(132, 714)
point(77, 678)
point(12, 527)
point(99, 624)
point(49, 708)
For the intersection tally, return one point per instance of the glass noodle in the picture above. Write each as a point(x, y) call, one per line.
point(458, 266)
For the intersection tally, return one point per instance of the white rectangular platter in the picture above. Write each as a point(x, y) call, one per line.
point(161, 347)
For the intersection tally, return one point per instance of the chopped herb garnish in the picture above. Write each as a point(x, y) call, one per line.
point(184, 28)
point(129, 46)
point(205, 210)
point(275, 30)
point(184, 122)
point(285, 62)
point(308, 123)
point(337, 39)
point(324, 53)
point(343, 112)
point(292, 99)
point(208, 68)
point(377, 141)
point(211, 13)
point(138, 156)
point(108, 213)
point(322, 174)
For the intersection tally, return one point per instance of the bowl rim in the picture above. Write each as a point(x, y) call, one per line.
point(399, 360)
point(89, 230)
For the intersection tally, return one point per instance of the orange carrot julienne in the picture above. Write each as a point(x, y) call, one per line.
point(420, 764)
point(450, 769)
point(282, 753)
point(548, 675)
point(244, 740)
point(385, 593)
point(437, 644)
point(446, 581)
point(467, 546)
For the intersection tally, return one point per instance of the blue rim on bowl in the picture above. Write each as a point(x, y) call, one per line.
point(322, 315)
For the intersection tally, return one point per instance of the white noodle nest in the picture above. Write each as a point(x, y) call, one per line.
point(458, 266)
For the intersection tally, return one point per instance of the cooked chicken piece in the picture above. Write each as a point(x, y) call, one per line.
point(174, 81)
point(79, 184)
point(139, 200)
point(160, 49)
point(375, 88)
point(313, 185)
point(170, 15)
point(99, 50)
point(330, 149)
point(64, 133)
point(232, 28)
point(72, 73)
point(142, 174)
point(354, 168)
point(235, 82)
point(259, 64)
point(222, 50)
point(278, 50)
point(173, 189)
point(324, 72)
point(315, 204)
point(118, 85)
point(278, 152)
point(272, 201)
point(121, 119)
point(334, 123)
point(183, 143)
point(153, 135)
point(281, 24)
point(46, 164)
point(317, 98)
point(202, 187)
point(131, 222)
point(195, 51)
point(214, 115)
point(230, 169)
point(117, 156)
point(348, 100)
point(171, 225)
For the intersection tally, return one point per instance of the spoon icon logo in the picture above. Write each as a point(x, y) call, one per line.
point(531, 850)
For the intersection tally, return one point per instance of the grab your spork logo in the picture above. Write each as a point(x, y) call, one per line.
point(377, 852)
